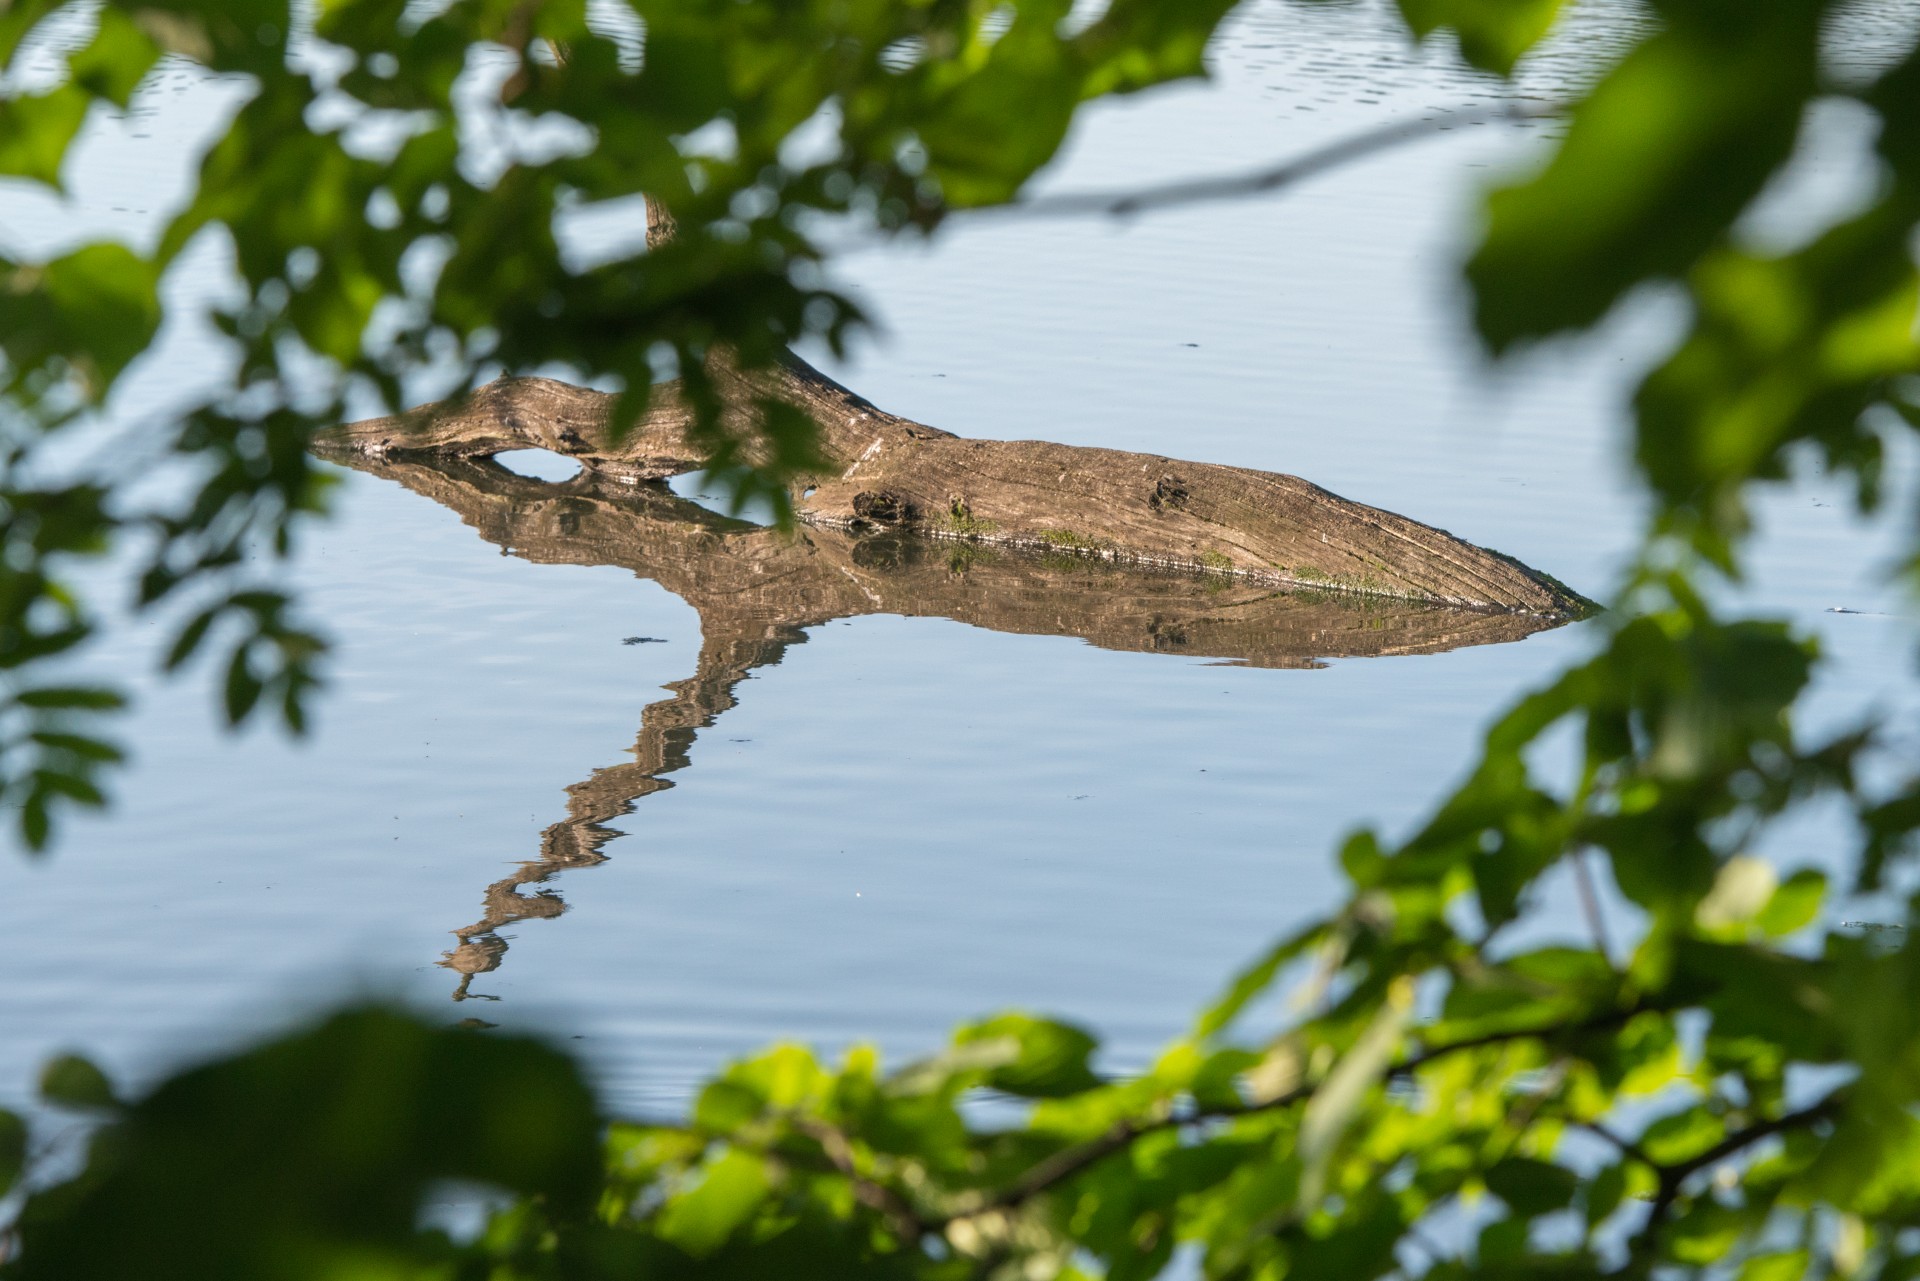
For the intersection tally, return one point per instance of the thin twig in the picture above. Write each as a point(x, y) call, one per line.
point(1625, 1146)
point(1590, 905)
point(901, 1216)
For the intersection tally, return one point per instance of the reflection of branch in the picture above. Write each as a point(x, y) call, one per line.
point(1260, 182)
point(667, 730)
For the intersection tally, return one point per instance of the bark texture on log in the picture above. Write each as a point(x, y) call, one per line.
point(889, 473)
point(758, 590)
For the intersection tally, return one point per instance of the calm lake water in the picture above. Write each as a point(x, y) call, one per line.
point(905, 820)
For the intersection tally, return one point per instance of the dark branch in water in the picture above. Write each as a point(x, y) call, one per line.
point(1269, 179)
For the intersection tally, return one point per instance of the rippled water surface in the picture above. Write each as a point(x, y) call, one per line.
point(924, 799)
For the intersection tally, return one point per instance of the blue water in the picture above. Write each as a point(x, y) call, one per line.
point(906, 821)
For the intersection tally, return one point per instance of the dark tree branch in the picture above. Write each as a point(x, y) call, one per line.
point(1672, 1177)
point(1625, 1146)
point(898, 1211)
point(1068, 1162)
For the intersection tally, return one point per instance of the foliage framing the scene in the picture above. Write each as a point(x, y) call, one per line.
point(1730, 1090)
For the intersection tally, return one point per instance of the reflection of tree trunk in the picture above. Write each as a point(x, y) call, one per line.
point(758, 590)
point(1089, 511)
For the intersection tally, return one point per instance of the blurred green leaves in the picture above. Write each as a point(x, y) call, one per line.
point(314, 1156)
point(1493, 34)
point(1657, 162)
point(36, 130)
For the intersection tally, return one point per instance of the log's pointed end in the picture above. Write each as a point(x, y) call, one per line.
point(1197, 517)
point(1574, 607)
point(1563, 603)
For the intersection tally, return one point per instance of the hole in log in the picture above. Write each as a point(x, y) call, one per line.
point(716, 495)
point(882, 507)
point(539, 464)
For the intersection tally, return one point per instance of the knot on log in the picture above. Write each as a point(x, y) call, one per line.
point(1170, 492)
point(883, 507)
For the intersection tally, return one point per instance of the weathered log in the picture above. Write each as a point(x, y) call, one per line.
point(759, 590)
point(884, 471)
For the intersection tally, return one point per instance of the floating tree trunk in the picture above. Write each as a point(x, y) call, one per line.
point(759, 590)
point(883, 471)
point(887, 473)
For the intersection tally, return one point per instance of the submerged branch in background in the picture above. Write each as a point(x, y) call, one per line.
point(881, 471)
point(1271, 178)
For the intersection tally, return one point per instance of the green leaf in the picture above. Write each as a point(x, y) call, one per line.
point(188, 641)
point(1603, 1194)
point(71, 786)
point(1789, 1266)
point(119, 57)
point(89, 313)
point(1794, 905)
point(71, 698)
point(1140, 43)
point(13, 1150)
point(1532, 1187)
point(36, 131)
point(1682, 1135)
point(243, 688)
point(1659, 159)
point(1492, 33)
point(1338, 1100)
point(1050, 1059)
point(730, 1190)
point(1742, 888)
point(320, 1146)
point(72, 1082)
point(36, 824)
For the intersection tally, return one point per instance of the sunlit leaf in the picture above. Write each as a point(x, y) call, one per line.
point(730, 1190)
